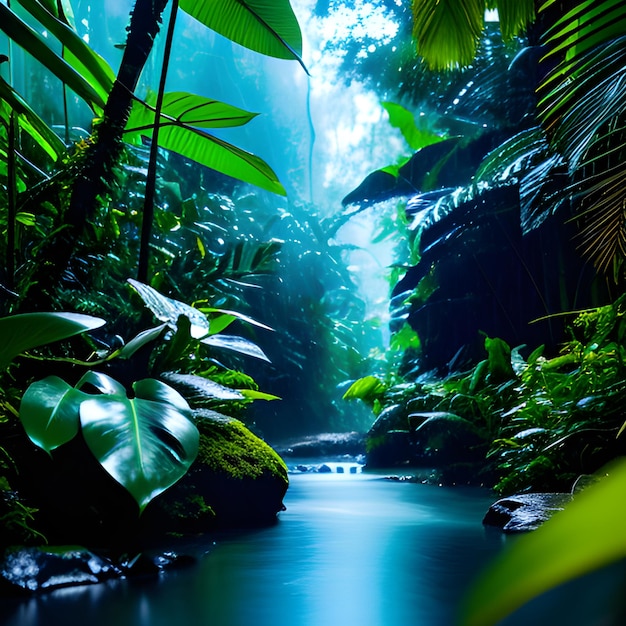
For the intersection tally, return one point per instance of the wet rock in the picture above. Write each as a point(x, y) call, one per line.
point(524, 512)
point(327, 445)
point(237, 480)
point(447, 439)
point(35, 570)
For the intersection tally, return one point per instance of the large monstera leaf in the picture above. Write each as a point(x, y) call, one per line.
point(269, 27)
point(145, 443)
point(49, 412)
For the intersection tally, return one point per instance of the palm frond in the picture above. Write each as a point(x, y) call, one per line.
point(515, 16)
point(447, 32)
point(582, 107)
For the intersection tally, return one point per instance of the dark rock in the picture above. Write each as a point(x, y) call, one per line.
point(524, 512)
point(28, 571)
point(237, 480)
point(388, 441)
point(324, 469)
point(447, 439)
point(32, 570)
point(327, 445)
point(392, 449)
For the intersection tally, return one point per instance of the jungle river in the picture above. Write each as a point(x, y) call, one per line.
point(352, 549)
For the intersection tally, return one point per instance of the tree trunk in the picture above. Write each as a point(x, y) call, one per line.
point(102, 155)
point(95, 170)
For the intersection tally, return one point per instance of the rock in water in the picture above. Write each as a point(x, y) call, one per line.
point(237, 480)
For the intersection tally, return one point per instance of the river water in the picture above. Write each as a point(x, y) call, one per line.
point(350, 550)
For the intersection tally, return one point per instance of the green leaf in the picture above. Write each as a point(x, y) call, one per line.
point(366, 389)
point(49, 412)
point(236, 344)
point(404, 121)
point(91, 66)
point(25, 37)
point(233, 314)
point(587, 535)
point(195, 144)
point(253, 394)
point(168, 310)
point(102, 383)
point(447, 31)
point(270, 28)
point(30, 122)
point(181, 108)
point(142, 339)
point(22, 332)
point(146, 443)
point(515, 16)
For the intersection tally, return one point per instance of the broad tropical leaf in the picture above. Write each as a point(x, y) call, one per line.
point(49, 412)
point(61, 9)
point(19, 333)
point(139, 341)
point(366, 389)
point(146, 443)
point(587, 535)
point(234, 315)
point(404, 121)
point(102, 383)
point(270, 28)
point(36, 45)
point(169, 310)
point(181, 108)
point(177, 135)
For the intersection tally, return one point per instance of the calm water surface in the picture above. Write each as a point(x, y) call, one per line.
point(350, 550)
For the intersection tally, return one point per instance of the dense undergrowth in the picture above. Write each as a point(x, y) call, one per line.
point(545, 420)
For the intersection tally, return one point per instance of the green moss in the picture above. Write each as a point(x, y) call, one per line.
point(227, 446)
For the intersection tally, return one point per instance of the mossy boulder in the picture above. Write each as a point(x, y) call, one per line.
point(237, 480)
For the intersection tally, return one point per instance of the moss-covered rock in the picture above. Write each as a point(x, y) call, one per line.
point(237, 480)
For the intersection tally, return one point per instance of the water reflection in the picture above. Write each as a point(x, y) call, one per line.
point(351, 550)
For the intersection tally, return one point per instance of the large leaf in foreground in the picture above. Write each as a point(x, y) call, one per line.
point(145, 443)
point(29, 330)
point(49, 412)
point(270, 28)
point(587, 535)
